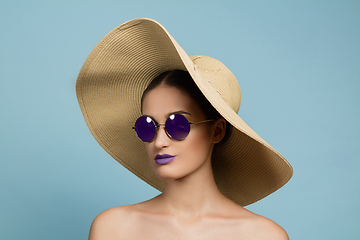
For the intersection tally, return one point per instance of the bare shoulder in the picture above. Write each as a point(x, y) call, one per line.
point(112, 223)
point(263, 228)
point(125, 222)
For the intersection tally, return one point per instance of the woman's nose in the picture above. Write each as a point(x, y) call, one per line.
point(162, 140)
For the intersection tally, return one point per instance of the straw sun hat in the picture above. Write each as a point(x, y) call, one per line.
point(109, 89)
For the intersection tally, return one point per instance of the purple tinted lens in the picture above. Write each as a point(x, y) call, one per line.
point(145, 128)
point(177, 126)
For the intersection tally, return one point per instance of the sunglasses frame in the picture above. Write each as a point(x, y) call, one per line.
point(158, 125)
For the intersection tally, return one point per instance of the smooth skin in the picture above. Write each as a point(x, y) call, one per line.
point(191, 206)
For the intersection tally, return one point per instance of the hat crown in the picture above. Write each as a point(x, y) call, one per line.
point(219, 78)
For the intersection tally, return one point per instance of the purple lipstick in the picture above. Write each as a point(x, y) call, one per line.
point(164, 158)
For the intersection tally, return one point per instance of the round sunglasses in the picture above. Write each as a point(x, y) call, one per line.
point(177, 127)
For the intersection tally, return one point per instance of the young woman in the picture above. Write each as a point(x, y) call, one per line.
point(172, 120)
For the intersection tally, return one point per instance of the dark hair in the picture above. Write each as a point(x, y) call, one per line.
point(183, 81)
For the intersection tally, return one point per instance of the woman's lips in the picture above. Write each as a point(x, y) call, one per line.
point(164, 158)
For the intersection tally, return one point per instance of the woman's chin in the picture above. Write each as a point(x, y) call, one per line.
point(168, 174)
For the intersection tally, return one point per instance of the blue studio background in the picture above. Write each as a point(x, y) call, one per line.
point(298, 65)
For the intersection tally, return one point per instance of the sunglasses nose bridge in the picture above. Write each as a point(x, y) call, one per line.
point(157, 140)
point(157, 126)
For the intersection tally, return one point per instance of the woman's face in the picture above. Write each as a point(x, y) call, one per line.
point(190, 153)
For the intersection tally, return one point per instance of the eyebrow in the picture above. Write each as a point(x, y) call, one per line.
point(178, 112)
point(168, 115)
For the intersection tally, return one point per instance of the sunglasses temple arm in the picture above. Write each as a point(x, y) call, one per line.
point(210, 120)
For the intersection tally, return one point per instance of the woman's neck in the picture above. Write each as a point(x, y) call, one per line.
point(193, 195)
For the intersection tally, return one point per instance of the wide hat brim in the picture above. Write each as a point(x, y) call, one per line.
point(109, 89)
